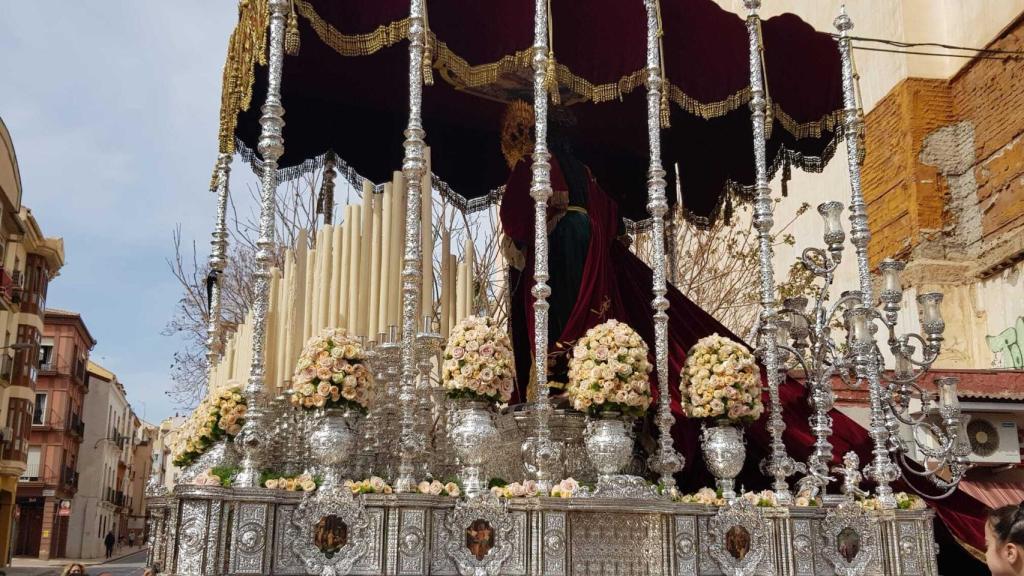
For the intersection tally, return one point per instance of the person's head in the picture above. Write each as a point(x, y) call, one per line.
point(1004, 541)
point(74, 570)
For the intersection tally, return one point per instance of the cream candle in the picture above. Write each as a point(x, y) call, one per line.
point(373, 326)
point(309, 299)
point(352, 290)
point(427, 240)
point(397, 250)
point(388, 221)
point(334, 294)
point(325, 245)
point(470, 277)
point(365, 263)
point(445, 286)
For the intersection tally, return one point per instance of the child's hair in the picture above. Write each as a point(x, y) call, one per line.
point(1008, 524)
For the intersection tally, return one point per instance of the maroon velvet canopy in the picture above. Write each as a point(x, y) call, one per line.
point(347, 91)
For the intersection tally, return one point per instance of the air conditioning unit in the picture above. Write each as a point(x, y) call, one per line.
point(993, 439)
point(6, 435)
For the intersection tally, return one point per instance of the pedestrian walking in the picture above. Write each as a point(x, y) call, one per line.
point(109, 543)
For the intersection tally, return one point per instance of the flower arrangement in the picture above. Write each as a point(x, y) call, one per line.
point(904, 501)
point(300, 483)
point(720, 380)
point(526, 489)
point(565, 489)
point(217, 476)
point(762, 499)
point(436, 488)
point(332, 373)
point(478, 362)
point(219, 415)
point(372, 485)
point(608, 371)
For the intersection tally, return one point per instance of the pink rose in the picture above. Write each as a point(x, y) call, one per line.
point(458, 352)
point(487, 350)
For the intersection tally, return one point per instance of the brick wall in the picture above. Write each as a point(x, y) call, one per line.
point(912, 191)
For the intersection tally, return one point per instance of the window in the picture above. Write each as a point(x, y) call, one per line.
point(32, 471)
point(46, 354)
point(39, 414)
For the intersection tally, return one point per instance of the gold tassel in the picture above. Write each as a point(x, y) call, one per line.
point(428, 50)
point(551, 79)
point(664, 111)
point(292, 42)
point(666, 122)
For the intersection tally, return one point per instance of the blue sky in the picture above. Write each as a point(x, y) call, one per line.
point(113, 109)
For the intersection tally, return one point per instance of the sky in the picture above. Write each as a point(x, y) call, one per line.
point(113, 109)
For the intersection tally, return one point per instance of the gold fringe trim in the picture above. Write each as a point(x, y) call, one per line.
point(247, 46)
point(458, 72)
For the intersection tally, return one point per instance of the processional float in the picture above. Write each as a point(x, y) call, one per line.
point(624, 524)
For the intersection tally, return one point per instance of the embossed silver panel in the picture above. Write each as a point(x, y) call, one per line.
point(615, 544)
point(249, 538)
point(686, 545)
point(192, 537)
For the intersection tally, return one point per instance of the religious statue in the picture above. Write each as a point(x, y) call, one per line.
point(479, 538)
point(850, 471)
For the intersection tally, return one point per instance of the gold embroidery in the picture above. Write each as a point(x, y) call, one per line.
point(247, 46)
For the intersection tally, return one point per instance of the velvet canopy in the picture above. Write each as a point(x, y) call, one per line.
point(347, 90)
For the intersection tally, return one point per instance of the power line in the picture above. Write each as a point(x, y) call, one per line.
point(917, 53)
point(981, 53)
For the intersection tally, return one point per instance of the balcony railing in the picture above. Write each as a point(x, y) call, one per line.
point(6, 286)
point(76, 426)
point(69, 477)
point(6, 367)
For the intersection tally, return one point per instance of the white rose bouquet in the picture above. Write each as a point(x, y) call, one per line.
point(478, 362)
point(721, 380)
point(608, 371)
point(300, 483)
point(332, 372)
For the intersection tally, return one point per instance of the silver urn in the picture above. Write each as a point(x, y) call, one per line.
point(472, 433)
point(331, 444)
point(609, 445)
point(724, 452)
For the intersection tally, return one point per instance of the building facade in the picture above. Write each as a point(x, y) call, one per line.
point(28, 262)
point(142, 470)
point(105, 495)
point(49, 483)
point(163, 452)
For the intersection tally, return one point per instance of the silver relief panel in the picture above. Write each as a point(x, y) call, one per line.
point(554, 545)
point(803, 547)
point(739, 540)
point(286, 561)
point(605, 544)
point(192, 537)
point(213, 537)
point(249, 538)
point(685, 545)
point(412, 542)
point(908, 542)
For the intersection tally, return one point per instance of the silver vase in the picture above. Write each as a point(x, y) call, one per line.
point(609, 443)
point(331, 444)
point(472, 434)
point(222, 453)
point(724, 453)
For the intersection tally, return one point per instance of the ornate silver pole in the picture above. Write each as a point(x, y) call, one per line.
point(218, 262)
point(271, 146)
point(544, 450)
point(779, 464)
point(666, 461)
point(412, 168)
point(882, 469)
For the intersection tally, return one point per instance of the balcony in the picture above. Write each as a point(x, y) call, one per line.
point(69, 477)
point(76, 427)
point(6, 368)
point(7, 287)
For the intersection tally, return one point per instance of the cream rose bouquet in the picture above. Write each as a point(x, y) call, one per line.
point(332, 372)
point(478, 362)
point(608, 371)
point(220, 415)
point(720, 380)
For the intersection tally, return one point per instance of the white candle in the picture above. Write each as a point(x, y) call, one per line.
point(287, 311)
point(445, 286)
point(325, 245)
point(460, 294)
point(341, 250)
point(365, 251)
point(388, 221)
point(310, 295)
point(298, 317)
point(352, 290)
point(334, 295)
point(373, 326)
point(427, 241)
point(270, 340)
point(281, 321)
point(397, 250)
point(453, 281)
point(470, 276)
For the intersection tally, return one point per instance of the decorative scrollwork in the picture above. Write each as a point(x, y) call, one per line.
point(480, 535)
point(332, 531)
point(738, 539)
point(848, 534)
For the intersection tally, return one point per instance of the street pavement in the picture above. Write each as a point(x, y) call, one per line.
point(131, 565)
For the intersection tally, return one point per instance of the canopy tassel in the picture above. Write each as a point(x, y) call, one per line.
point(727, 211)
point(292, 42)
point(787, 173)
point(551, 73)
point(769, 106)
point(428, 50)
point(664, 110)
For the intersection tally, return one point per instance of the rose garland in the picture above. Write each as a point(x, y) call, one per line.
point(220, 415)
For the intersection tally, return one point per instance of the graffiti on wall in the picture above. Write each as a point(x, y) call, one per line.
point(1009, 346)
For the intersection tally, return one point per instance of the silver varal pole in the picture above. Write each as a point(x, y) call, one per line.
point(253, 437)
point(218, 262)
point(545, 451)
point(666, 461)
point(412, 168)
point(882, 469)
point(779, 464)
